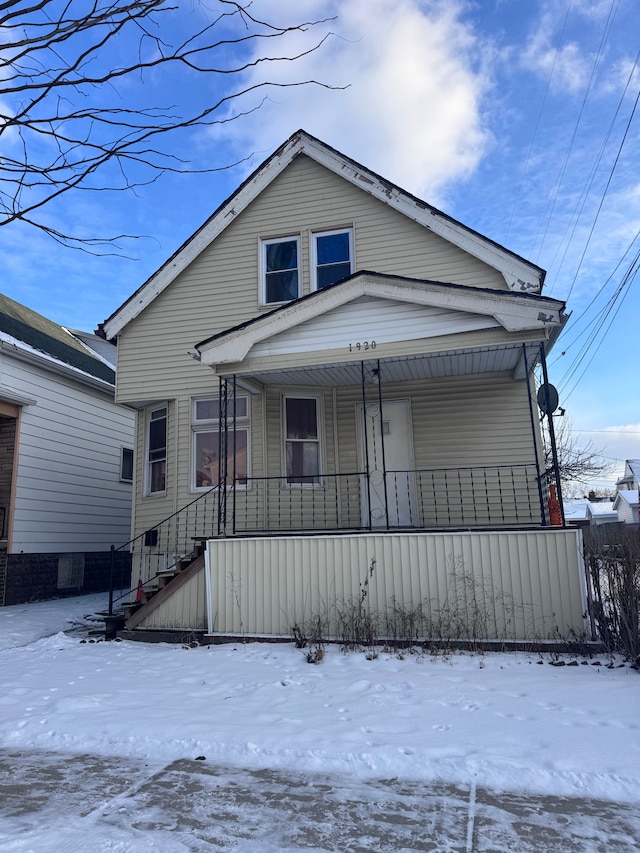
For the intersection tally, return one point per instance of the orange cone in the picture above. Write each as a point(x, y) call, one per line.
point(140, 592)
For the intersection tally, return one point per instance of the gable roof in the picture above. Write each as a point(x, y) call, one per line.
point(629, 496)
point(513, 311)
point(521, 275)
point(19, 323)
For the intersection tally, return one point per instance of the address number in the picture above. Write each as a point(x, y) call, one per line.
point(362, 346)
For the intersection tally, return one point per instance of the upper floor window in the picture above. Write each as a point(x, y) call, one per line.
point(156, 467)
point(209, 445)
point(280, 266)
point(332, 257)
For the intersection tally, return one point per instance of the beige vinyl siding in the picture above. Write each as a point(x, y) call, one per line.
point(501, 585)
point(152, 509)
point(221, 287)
point(469, 421)
point(184, 610)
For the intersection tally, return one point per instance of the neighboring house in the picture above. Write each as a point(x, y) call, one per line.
point(581, 512)
point(631, 477)
point(626, 506)
point(66, 459)
point(334, 383)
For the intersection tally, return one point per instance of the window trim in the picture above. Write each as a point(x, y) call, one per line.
point(147, 462)
point(314, 251)
point(200, 425)
point(319, 398)
point(270, 241)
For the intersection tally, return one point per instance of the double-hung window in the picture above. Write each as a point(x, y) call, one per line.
point(280, 270)
point(302, 440)
point(209, 445)
point(332, 257)
point(156, 467)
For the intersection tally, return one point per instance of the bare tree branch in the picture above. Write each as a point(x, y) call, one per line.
point(74, 78)
point(578, 463)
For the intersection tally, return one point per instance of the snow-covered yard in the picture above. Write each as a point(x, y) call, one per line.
point(509, 726)
point(509, 721)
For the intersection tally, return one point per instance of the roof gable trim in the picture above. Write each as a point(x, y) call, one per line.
point(519, 274)
point(511, 311)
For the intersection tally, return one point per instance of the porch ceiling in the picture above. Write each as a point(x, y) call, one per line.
point(403, 368)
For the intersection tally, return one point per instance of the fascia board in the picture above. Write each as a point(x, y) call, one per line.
point(505, 308)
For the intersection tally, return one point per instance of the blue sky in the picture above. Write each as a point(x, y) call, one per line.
point(517, 117)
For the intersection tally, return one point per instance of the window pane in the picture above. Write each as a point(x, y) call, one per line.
point(126, 464)
point(157, 476)
point(282, 256)
point(157, 436)
point(333, 248)
point(207, 450)
point(303, 462)
point(282, 286)
point(207, 410)
point(301, 417)
point(332, 273)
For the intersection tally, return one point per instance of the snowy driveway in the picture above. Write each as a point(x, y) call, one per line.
point(51, 803)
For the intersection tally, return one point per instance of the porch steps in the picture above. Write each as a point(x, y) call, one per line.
point(167, 584)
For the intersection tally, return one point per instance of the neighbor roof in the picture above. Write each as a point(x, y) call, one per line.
point(37, 332)
point(521, 275)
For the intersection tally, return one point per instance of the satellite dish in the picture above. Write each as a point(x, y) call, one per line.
point(547, 398)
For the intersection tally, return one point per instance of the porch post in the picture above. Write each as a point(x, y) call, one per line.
point(233, 498)
point(366, 440)
point(223, 440)
point(543, 515)
point(384, 461)
point(552, 433)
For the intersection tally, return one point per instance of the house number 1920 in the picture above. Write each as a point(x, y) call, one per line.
point(361, 346)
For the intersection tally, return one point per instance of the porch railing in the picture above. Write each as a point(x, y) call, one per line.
point(482, 496)
point(434, 499)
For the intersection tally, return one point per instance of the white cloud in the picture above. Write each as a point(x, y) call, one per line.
point(416, 82)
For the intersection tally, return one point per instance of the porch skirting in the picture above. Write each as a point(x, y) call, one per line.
point(520, 585)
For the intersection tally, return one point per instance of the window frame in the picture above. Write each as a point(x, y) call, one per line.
point(147, 450)
point(212, 425)
point(314, 252)
point(265, 242)
point(319, 440)
point(127, 450)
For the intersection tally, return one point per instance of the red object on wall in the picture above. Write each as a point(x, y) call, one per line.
point(140, 592)
point(555, 513)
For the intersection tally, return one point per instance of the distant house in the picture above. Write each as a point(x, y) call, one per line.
point(626, 505)
point(631, 477)
point(581, 512)
point(66, 459)
point(358, 411)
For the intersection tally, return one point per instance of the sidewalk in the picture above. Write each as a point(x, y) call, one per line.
point(52, 803)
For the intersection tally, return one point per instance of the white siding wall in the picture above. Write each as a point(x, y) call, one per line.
point(519, 585)
point(68, 495)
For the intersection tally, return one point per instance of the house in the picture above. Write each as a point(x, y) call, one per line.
point(333, 385)
point(626, 506)
point(65, 459)
point(582, 512)
point(631, 477)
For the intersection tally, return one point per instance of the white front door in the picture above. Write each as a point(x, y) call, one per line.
point(385, 444)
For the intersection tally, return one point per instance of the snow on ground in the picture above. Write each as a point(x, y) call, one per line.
point(508, 722)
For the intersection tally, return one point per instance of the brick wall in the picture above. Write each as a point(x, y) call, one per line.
point(34, 577)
